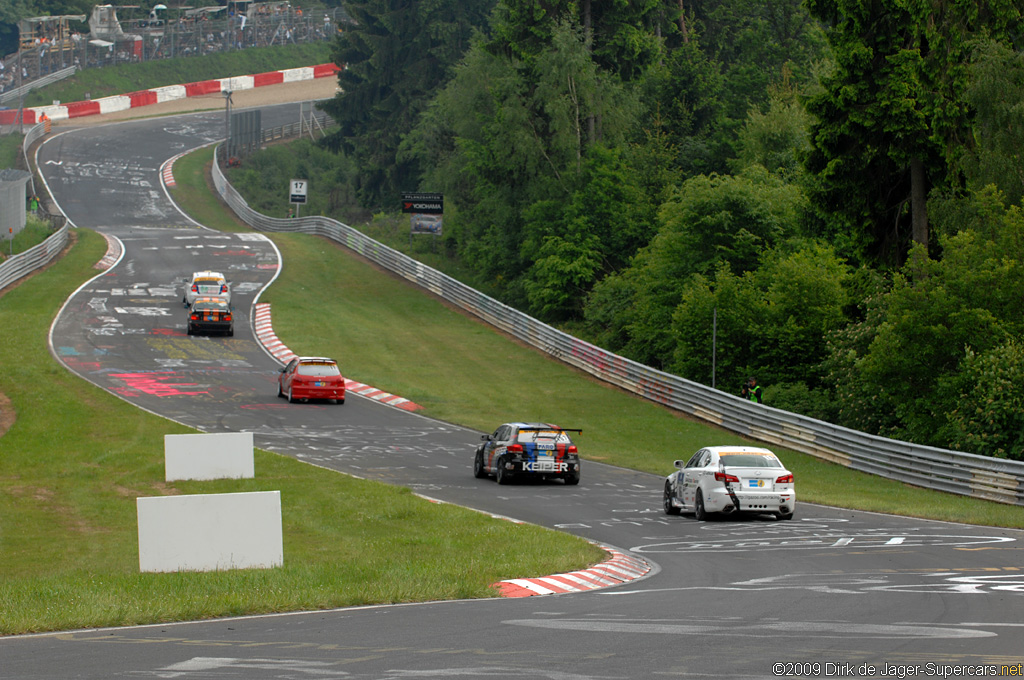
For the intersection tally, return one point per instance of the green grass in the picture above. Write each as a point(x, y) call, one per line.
point(10, 148)
point(390, 334)
point(115, 80)
point(35, 232)
point(76, 458)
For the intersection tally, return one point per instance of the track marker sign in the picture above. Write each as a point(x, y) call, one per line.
point(424, 204)
point(297, 190)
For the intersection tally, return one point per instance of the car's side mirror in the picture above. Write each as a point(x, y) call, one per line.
point(679, 464)
point(282, 369)
point(486, 437)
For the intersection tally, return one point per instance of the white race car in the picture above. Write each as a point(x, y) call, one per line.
point(730, 479)
point(206, 284)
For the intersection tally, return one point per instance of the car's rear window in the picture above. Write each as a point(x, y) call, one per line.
point(212, 306)
point(554, 436)
point(320, 368)
point(755, 460)
point(208, 282)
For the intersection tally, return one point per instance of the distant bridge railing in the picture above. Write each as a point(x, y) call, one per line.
point(933, 468)
point(318, 121)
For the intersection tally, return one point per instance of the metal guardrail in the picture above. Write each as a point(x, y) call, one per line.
point(933, 468)
point(36, 133)
point(22, 264)
point(18, 92)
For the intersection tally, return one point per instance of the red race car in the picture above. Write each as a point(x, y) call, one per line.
point(311, 378)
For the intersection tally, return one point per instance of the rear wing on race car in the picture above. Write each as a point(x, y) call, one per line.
point(538, 430)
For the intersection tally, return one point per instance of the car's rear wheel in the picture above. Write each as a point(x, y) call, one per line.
point(667, 500)
point(340, 401)
point(291, 397)
point(785, 515)
point(280, 393)
point(699, 513)
point(478, 466)
point(501, 475)
point(573, 479)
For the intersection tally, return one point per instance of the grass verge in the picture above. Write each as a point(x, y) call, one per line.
point(76, 458)
point(394, 336)
point(35, 232)
point(10, 147)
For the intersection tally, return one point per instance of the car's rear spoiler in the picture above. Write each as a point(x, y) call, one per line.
point(545, 429)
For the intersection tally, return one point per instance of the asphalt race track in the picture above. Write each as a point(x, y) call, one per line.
point(833, 593)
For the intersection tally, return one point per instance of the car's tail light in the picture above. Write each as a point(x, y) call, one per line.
point(223, 287)
point(195, 287)
point(227, 317)
point(726, 477)
point(194, 317)
point(784, 479)
point(515, 448)
point(571, 449)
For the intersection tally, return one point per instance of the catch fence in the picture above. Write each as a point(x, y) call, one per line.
point(197, 35)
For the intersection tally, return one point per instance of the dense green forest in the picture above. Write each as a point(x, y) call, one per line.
point(830, 189)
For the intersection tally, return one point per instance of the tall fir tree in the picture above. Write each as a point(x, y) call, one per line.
point(890, 116)
point(395, 56)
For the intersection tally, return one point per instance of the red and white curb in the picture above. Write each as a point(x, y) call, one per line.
point(112, 254)
point(265, 334)
point(159, 95)
point(167, 172)
point(621, 568)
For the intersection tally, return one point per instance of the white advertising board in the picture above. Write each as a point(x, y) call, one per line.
point(210, 532)
point(222, 455)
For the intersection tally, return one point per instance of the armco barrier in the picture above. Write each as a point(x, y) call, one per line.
point(32, 259)
point(960, 473)
point(13, 95)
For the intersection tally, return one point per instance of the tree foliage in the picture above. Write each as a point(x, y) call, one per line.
point(995, 92)
point(775, 139)
point(988, 417)
point(576, 242)
point(394, 57)
point(910, 349)
point(540, 186)
point(892, 118)
point(713, 189)
point(709, 223)
point(756, 42)
point(771, 322)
